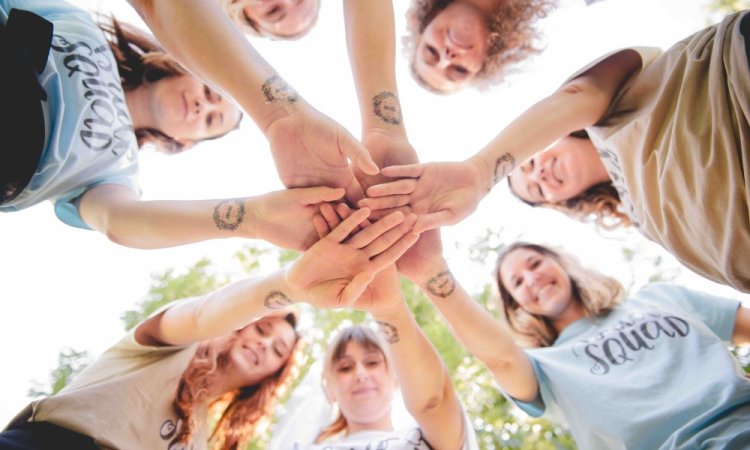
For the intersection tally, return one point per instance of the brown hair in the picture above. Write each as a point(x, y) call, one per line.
point(236, 11)
point(140, 60)
point(363, 336)
point(511, 37)
point(600, 203)
point(597, 293)
point(239, 413)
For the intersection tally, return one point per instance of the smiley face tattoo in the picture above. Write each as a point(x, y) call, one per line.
point(441, 285)
point(386, 107)
point(276, 89)
point(276, 300)
point(228, 215)
point(389, 332)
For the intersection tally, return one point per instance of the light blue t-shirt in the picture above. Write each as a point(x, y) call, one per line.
point(653, 374)
point(89, 132)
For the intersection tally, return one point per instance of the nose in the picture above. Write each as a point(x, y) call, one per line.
point(361, 372)
point(538, 173)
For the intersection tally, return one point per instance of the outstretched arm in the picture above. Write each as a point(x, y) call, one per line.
point(334, 273)
point(370, 34)
point(425, 382)
point(445, 193)
point(309, 148)
point(473, 326)
point(283, 218)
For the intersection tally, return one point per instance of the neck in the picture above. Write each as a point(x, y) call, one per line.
point(138, 106)
point(574, 312)
point(382, 424)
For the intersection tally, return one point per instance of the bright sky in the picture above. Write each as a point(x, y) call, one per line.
point(67, 287)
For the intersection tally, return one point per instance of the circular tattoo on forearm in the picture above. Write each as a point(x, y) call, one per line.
point(503, 165)
point(389, 332)
point(386, 107)
point(441, 285)
point(228, 214)
point(276, 89)
point(276, 300)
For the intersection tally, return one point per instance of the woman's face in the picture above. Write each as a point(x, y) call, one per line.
point(563, 171)
point(453, 47)
point(362, 384)
point(539, 284)
point(261, 349)
point(283, 18)
point(188, 110)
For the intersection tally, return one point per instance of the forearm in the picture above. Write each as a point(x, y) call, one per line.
point(537, 128)
point(203, 38)
point(370, 34)
point(164, 223)
point(425, 383)
point(487, 339)
point(225, 310)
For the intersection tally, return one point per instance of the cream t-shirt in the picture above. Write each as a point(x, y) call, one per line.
point(124, 399)
point(676, 143)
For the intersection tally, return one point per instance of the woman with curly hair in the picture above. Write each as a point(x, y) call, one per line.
point(458, 43)
point(652, 371)
point(666, 151)
point(218, 359)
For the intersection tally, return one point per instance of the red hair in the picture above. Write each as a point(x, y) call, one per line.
point(238, 414)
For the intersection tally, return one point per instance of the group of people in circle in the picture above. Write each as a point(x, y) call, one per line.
point(641, 137)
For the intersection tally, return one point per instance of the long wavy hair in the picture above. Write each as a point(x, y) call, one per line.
point(141, 60)
point(236, 11)
point(511, 39)
point(363, 336)
point(597, 293)
point(238, 414)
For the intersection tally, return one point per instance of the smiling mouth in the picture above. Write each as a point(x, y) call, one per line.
point(184, 107)
point(253, 354)
point(458, 43)
point(553, 171)
point(364, 391)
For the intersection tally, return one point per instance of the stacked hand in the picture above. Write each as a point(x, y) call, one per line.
point(441, 193)
point(310, 149)
point(336, 271)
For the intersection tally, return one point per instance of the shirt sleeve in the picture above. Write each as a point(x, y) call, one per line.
point(718, 313)
point(66, 206)
point(537, 407)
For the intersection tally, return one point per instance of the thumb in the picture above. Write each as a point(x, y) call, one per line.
point(355, 288)
point(319, 194)
point(358, 154)
point(434, 220)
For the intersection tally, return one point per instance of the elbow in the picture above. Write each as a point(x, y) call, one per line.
point(591, 103)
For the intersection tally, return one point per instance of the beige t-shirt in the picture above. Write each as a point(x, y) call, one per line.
point(124, 399)
point(676, 143)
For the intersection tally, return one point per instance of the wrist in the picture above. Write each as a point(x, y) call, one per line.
point(277, 110)
point(439, 283)
point(483, 172)
point(391, 313)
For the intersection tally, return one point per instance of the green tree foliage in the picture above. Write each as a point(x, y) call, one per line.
point(729, 6)
point(69, 363)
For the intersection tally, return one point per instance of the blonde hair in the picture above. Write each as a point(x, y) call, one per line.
point(239, 413)
point(363, 336)
point(511, 38)
point(236, 11)
point(597, 293)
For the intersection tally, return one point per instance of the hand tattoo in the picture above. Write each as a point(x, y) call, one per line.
point(386, 106)
point(276, 300)
point(275, 89)
point(441, 285)
point(389, 332)
point(503, 166)
point(228, 214)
